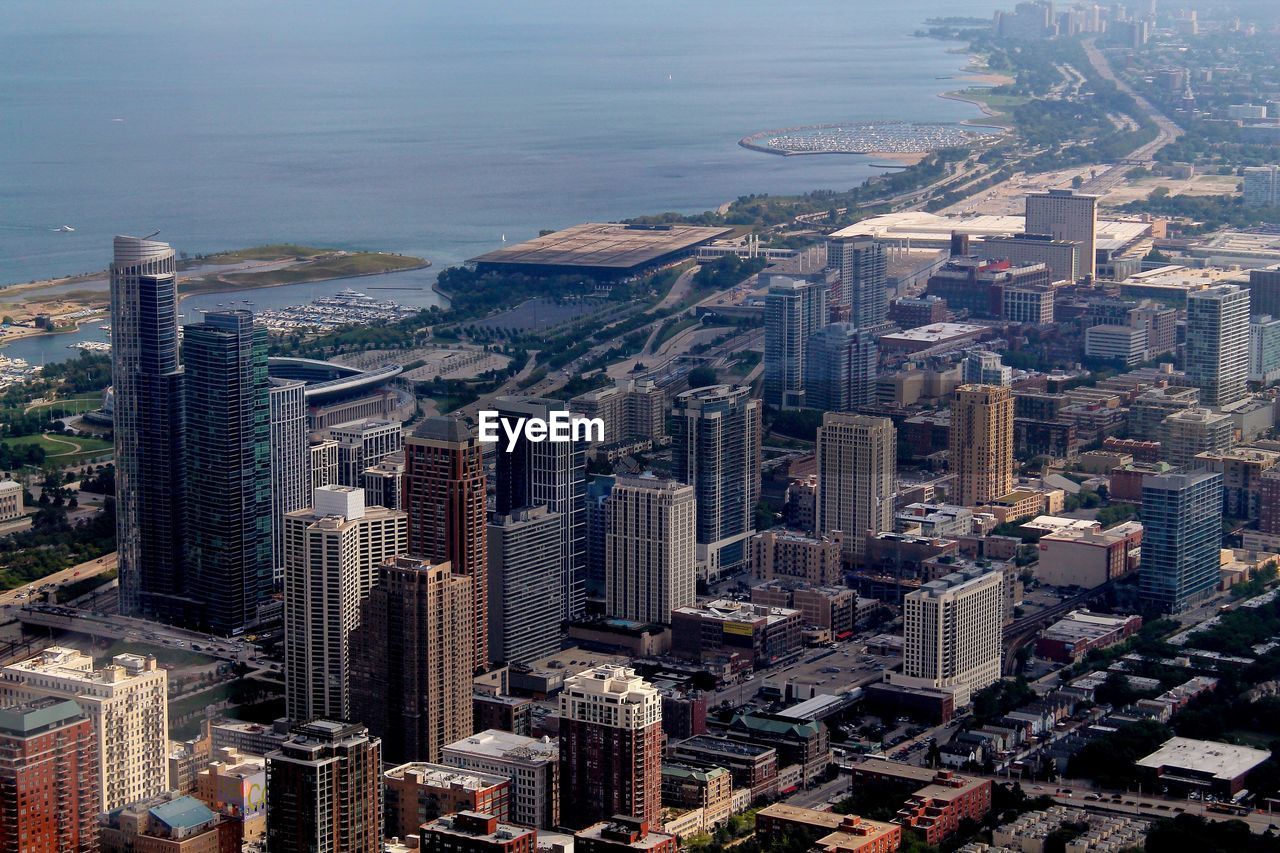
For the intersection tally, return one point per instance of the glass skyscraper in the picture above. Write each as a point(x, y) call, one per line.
point(229, 466)
point(147, 383)
point(1182, 533)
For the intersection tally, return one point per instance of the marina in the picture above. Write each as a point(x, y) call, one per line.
point(870, 137)
point(327, 313)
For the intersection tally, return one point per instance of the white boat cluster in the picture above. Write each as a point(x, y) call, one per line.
point(91, 346)
point(326, 313)
point(867, 138)
point(15, 370)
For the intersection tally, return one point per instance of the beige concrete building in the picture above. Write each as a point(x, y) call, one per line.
point(1193, 431)
point(981, 443)
point(127, 701)
point(10, 500)
point(857, 476)
point(1088, 558)
point(235, 784)
point(1067, 215)
point(332, 554)
point(952, 633)
point(630, 408)
point(783, 554)
point(650, 549)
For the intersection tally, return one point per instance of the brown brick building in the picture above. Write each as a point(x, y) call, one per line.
point(48, 778)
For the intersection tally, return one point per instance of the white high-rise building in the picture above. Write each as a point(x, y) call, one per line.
point(857, 472)
point(650, 549)
point(1218, 343)
point(1262, 186)
point(794, 310)
point(524, 561)
point(290, 461)
point(127, 701)
point(332, 554)
point(863, 267)
point(952, 633)
point(1067, 215)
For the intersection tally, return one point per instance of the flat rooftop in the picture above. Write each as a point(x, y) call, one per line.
point(1223, 760)
point(496, 743)
point(605, 246)
point(936, 333)
point(923, 229)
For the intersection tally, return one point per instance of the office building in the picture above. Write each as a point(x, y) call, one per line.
point(1029, 304)
point(524, 584)
point(832, 833)
point(622, 834)
point(169, 822)
point(444, 487)
point(532, 765)
point(1262, 186)
point(127, 703)
point(49, 776)
point(786, 555)
point(1124, 344)
point(11, 504)
point(363, 444)
point(1186, 434)
point(982, 367)
point(550, 474)
point(857, 474)
point(598, 489)
point(630, 408)
point(323, 454)
point(290, 462)
point(411, 659)
point(332, 555)
point(1149, 409)
point(840, 368)
point(1067, 215)
point(1182, 532)
point(1218, 343)
point(863, 266)
point(610, 746)
point(1264, 349)
point(981, 444)
point(972, 287)
point(419, 792)
point(474, 832)
point(952, 633)
point(324, 791)
point(650, 553)
point(149, 429)
point(1060, 256)
point(722, 628)
point(1264, 291)
point(794, 309)
point(229, 468)
point(716, 449)
point(383, 484)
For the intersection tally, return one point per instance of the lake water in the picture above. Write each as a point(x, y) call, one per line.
point(429, 127)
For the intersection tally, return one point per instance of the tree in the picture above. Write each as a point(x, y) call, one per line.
point(702, 376)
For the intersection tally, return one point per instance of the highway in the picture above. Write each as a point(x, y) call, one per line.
point(30, 591)
point(1167, 130)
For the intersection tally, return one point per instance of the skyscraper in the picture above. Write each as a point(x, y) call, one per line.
point(952, 633)
point(840, 369)
point(1182, 532)
point(716, 449)
point(981, 442)
point(324, 791)
point(650, 554)
point(49, 797)
point(290, 462)
point(1067, 215)
point(524, 584)
point(127, 703)
point(149, 427)
point(857, 460)
point(863, 275)
point(444, 495)
point(362, 444)
point(332, 554)
point(794, 309)
point(550, 474)
point(1218, 343)
point(229, 465)
point(610, 746)
point(411, 659)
